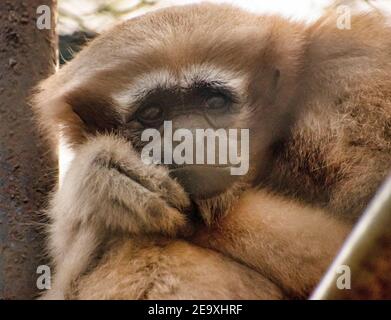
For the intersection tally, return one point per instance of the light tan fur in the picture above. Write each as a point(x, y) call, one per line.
point(118, 229)
point(271, 248)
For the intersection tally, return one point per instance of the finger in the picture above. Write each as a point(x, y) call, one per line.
point(150, 212)
point(152, 177)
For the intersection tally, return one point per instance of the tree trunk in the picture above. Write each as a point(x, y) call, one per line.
point(27, 55)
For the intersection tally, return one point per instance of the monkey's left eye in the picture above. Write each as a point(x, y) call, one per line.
point(217, 102)
point(150, 115)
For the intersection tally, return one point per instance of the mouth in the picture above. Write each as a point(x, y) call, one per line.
point(203, 182)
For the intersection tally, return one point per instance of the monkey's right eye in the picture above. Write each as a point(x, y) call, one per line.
point(150, 115)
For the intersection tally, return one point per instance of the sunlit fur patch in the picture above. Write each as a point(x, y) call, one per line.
point(65, 157)
point(142, 85)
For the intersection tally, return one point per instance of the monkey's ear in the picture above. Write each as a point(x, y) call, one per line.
point(264, 85)
point(279, 60)
point(73, 115)
point(55, 118)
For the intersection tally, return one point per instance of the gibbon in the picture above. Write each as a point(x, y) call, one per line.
point(317, 103)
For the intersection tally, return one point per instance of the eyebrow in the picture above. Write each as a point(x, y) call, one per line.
point(217, 87)
point(229, 83)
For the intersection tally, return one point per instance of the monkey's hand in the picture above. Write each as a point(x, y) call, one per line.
point(108, 188)
point(111, 185)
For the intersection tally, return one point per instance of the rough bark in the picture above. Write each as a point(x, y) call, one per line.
point(27, 55)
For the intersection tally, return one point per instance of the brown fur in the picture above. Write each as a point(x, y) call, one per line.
point(166, 269)
point(333, 85)
point(279, 249)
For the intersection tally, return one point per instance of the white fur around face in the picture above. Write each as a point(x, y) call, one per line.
point(65, 157)
point(210, 73)
point(143, 84)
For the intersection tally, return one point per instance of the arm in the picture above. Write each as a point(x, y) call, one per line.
point(108, 188)
point(289, 243)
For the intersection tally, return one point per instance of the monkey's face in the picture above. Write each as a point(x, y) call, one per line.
point(194, 119)
point(175, 81)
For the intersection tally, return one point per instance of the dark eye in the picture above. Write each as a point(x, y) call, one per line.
point(217, 102)
point(150, 115)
